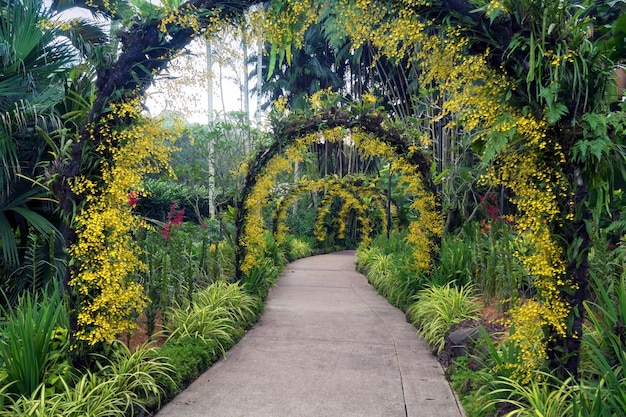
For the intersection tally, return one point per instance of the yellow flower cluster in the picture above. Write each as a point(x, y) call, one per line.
point(253, 231)
point(527, 162)
point(183, 19)
point(285, 22)
point(105, 254)
point(49, 25)
point(538, 185)
point(527, 321)
point(104, 6)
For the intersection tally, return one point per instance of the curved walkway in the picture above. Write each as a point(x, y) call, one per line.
point(326, 345)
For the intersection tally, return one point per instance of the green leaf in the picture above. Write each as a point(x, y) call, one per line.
point(272, 64)
point(555, 112)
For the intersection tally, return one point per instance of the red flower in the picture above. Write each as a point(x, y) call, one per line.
point(172, 221)
point(178, 220)
point(133, 198)
point(166, 232)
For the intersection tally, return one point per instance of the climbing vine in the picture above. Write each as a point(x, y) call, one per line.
point(367, 134)
point(361, 198)
point(104, 255)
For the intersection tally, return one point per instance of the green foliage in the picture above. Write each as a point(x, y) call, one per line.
point(545, 396)
point(501, 358)
point(390, 268)
point(137, 372)
point(180, 259)
point(455, 262)
point(124, 384)
point(214, 316)
point(260, 278)
point(204, 323)
point(161, 192)
point(601, 154)
point(89, 396)
point(188, 357)
point(34, 343)
point(273, 251)
point(297, 248)
point(240, 306)
point(40, 262)
point(301, 220)
point(495, 270)
point(202, 331)
point(604, 386)
point(437, 309)
point(467, 379)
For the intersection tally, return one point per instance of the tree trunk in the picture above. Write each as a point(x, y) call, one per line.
point(210, 161)
point(564, 352)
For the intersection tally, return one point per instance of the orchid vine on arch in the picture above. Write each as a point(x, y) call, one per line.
point(372, 134)
point(357, 194)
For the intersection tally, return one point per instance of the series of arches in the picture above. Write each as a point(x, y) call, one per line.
point(367, 131)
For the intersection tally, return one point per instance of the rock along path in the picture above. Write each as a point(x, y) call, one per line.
point(326, 345)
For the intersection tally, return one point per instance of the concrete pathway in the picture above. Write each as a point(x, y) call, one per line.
point(326, 345)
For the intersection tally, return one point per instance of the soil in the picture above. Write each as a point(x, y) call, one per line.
point(139, 336)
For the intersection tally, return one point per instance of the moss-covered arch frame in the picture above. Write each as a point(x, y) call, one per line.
point(394, 139)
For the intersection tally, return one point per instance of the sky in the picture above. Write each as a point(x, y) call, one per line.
point(184, 87)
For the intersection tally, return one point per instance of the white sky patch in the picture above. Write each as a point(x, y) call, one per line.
point(186, 85)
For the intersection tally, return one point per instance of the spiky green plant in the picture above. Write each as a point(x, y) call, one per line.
point(214, 315)
point(136, 371)
point(29, 349)
point(545, 396)
point(238, 305)
point(437, 309)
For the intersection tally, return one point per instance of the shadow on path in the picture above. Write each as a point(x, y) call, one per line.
point(326, 345)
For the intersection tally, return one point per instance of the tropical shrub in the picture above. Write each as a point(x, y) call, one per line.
point(604, 346)
point(188, 357)
point(160, 193)
point(124, 384)
point(34, 343)
point(545, 396)
point(239, 306)
point(495, 270)
point(390, 268)
point(467, 377)
point(437, 309)
point(260, 278)
point(296, 248)
point(215, 316)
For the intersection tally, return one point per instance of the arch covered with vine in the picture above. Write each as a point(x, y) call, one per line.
point(372, 134)
point(357, 195)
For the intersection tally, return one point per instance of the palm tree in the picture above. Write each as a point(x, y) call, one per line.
point(42, 91)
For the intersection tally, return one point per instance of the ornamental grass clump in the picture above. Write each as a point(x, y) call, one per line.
point(124, 384)
point(215, 316)
point(545, 396)
point(437, 309)
point(34, 343)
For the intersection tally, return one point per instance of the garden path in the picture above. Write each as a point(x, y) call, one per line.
point(326, 345)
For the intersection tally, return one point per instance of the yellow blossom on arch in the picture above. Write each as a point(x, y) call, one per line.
point(105, 253)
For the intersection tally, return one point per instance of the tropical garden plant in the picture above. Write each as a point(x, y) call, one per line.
point(480, 98)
